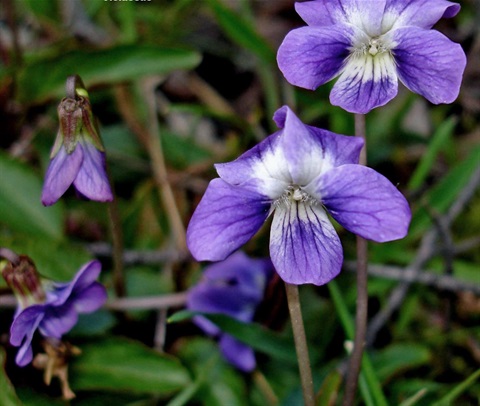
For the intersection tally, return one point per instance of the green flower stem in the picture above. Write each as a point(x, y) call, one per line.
point(362, 291)
point(369, 385)
point(301, 347)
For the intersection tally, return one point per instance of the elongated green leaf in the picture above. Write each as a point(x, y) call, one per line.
point(252, 334)
point(20, 206)
point(241, 31)
point(45, 78)
point(7, 393)
point(328, 393)
point(439, 140)
point(413, 400)
point(458, 390)
point(56, 260)
point(369, 383)
point(444, 193)
point(124, 365)
point(399, 358)
point(218, 383)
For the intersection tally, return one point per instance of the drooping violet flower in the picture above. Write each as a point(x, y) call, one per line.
point(234, 287)
point(48, 306)
point(78, 155)
point(297, 174)
point(371, 45)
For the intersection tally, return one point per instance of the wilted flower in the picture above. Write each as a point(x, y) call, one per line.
point(54, 363)
point(370, 45)
point(48, 306)
point(234, 287)
point(297, 174)
point(78, 156)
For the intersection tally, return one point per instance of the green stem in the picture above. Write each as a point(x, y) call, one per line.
point(362, 292)
point(301, 346)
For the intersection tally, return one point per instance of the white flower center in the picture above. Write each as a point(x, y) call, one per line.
point(375, 46)
point(372, 46)
point(295, 194)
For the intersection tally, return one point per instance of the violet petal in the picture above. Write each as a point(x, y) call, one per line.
point(238, 354)
point(429, 63)
point(260, 169)
point(61, 172)
point(92, 180)
point(87, 275)
point(58, 320)
point(418, 13)
point(366, 82)
point(22, 330)
point(311, 56)
point(304, 246)
point(90, 298)
point(365, 203)
point(226, 218)
point(337, 149)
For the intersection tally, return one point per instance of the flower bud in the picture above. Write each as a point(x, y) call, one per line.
point(78, 155)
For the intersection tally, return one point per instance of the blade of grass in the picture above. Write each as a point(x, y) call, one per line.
point(370, 387)
point(458, 390)
point(438, 141)
point(412, 400)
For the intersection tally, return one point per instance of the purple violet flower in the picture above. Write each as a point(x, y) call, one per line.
point(297, 174)
point(50, 307)
point(370, 45)
point(77, 156)
point(234, 287)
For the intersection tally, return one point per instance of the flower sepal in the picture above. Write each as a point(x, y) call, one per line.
point(23, 278)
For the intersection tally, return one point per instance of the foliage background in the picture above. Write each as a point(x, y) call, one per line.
point(212, 65)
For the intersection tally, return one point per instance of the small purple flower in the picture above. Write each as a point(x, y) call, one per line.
point(55, 306)
point(234, 287)
point(77, 156)
point(297, 174)
point(371, 45)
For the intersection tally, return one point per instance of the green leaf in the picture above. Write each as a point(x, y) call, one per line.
point(20, 206)
point(8, 396)
point(122, 365)
point(242, 32)
point(45, 78)
point(412, 400)
point(368, 382)
point(30, 397)
point(439, 140)
point(43, 10)
point(55, 260)
point(328, 393)
point(217, 383)
point(458, 390)
point(399, 358)
point(181, 152)
point(444, 193)
point(252, 334)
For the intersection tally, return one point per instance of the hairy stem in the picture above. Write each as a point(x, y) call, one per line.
point(362, 293)
point(301, 347)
